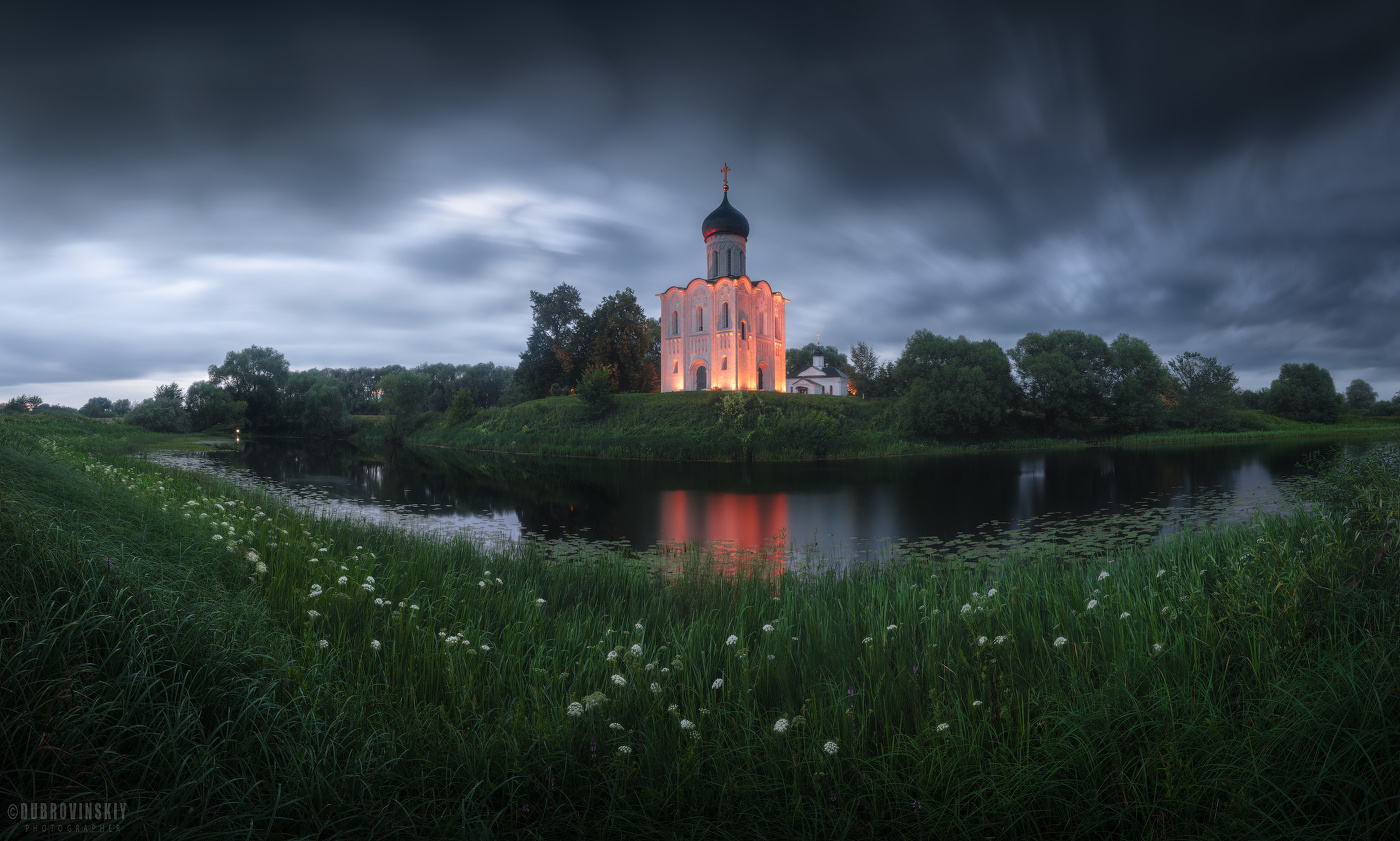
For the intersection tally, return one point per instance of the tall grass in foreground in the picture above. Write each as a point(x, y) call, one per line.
point(224, 664)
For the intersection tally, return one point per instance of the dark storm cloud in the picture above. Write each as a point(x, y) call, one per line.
point(358, 185)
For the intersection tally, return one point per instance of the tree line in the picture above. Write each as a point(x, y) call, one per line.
point(255, 388)
point(1075, 382)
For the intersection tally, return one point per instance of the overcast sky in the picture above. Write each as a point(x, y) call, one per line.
point(387, 185)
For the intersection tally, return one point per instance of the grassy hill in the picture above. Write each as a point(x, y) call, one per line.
point(727, 426)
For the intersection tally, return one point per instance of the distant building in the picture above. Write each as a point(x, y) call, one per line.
point(820, 378)
point(723, 330)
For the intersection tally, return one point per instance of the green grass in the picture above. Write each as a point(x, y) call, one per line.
point(146, 662)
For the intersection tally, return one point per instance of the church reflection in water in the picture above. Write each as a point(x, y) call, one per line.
point(742, 534)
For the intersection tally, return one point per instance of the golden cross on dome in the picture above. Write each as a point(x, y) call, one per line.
point(726, 177)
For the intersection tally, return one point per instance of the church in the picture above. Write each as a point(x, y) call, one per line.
point(724, 330)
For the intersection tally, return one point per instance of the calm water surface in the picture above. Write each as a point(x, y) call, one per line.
point(839, 506)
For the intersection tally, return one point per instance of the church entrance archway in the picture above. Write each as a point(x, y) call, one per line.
point(701, 379)
point(760, 379)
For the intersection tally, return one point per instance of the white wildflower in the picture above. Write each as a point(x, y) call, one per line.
point(656, 687)
point(1060, 642)
point(991, 592)
point(341, 580)
point(615, 726)
point(942, 727)
point(216, 538)
point(1001, 638)
point(1156, 648)
point(315, 591)
point(378, 602)
point(619, 680)
point(575, 709)
point(868, 640)
point(612, 655)
point(981, 640)
point(413, 607)
point(368, 588)
point(976, 703)
point(780, 726)
point(1103, 575)
point(325, 643)
point(1161, 572)
point(261, 568)
point(251, 556)
point(485, 647)
point(637, 627)
point(1125, 615)
point(623, 750)
point(375, 644)
point(732, 639)
point(636, 649)
point(767, 628)
point(687, 724)
point(1093, 603)
point(967, 608)
point(892, 628)
point(498, 581)
point(313, 613)
point(719, 682)
point(673, 708)
point(481, 583)
point(831, 748)
point(539, 601)
point(369, 578)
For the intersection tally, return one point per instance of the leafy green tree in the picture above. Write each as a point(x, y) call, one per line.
point(97, 407)
point(403, 399)
point(257, 376)
point(164, 412)
point(121, 407)
point(444, 379)
point(462, 408)
point(486, 381)
point(595, 387)
point(1204, 389)
point(869, 378)
point(1064, 375)
point(552, 357)
point(618, 336)
point(314, 405)
point(799, 359)
point(651, 374)
point(952, 387)
point(1137, 382)
point(1304, 393)
point(210, 406)
point(1360, 396)
point(23, 402)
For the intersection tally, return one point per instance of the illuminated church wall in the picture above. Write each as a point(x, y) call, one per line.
point(723, 330)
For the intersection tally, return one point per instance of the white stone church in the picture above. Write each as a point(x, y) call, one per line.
point(723, 330)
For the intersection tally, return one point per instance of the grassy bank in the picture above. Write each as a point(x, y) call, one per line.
point(224, 665)
point(725, 426)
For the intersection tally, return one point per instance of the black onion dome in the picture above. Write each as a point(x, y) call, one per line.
point(725, 220)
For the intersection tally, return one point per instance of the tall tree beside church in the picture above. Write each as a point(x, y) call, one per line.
point(552, 356)
point(617, 337)
point(952, 387)
point(868, 377)
point(1064, 375)
point(257, 376)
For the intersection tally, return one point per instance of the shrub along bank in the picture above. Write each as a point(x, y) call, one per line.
point(220, 663)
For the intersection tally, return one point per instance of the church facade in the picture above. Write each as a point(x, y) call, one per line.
point(724, 330)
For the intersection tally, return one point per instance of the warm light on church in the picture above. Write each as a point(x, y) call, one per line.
point(723, 330)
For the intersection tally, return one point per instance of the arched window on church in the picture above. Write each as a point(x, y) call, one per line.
point(699, 319)
point(730, 261)
point(675, 323)
point(677, 369)
point(760, 379)
point(762, 322)
point(724, 364)
point(743, 330)
point(724, 317)
point(714, 264)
